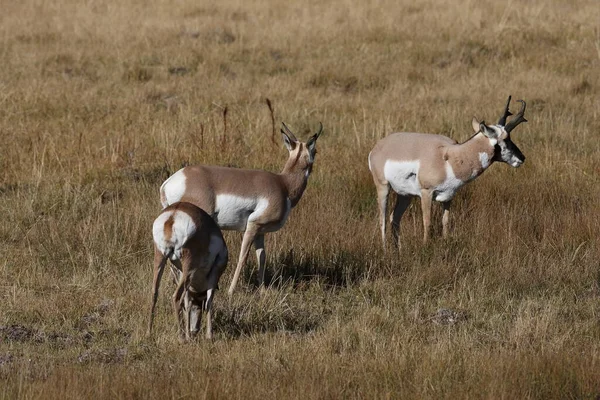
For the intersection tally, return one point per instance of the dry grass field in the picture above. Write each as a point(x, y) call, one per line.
point(101, 100)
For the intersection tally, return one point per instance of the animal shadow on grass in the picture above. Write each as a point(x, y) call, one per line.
point(278, 312)
point(340, 270)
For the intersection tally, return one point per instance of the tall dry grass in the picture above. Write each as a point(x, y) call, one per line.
point(100, 101)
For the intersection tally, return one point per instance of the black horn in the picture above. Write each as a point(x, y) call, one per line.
point(288, 132)
point(512, 124)
point(316, 135)
point(507, 113)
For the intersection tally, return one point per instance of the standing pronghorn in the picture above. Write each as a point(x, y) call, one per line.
point(252, 201)
point(193, 242)
point(434, 167)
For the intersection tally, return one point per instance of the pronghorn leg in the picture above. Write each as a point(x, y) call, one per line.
point(402, 203)
point(175, 272)
point(249, 235)
point(216, 271)
point(159, 267)
point(426, 198)
point(179, 298)
point(383, 191)
point(187, 312)
point(195, 317)
point(446, 217)
point(259, 245)
point(209, 300)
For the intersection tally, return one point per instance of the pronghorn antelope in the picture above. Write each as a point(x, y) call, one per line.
point(252, 201)
point(193, 242)
point(434, 167)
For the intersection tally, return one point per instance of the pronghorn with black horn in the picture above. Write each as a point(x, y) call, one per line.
point(434, 167)
point(251, 201)
point(188, 236)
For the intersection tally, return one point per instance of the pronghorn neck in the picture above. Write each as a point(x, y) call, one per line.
point(295, 175)
point(471, 158)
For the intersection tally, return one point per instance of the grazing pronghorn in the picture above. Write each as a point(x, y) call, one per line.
point(193, 242)
point(252, 201)
point(434, 167)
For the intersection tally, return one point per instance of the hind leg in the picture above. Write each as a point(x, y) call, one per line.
point(159, 264)
point(180, 299)
point(402, 203)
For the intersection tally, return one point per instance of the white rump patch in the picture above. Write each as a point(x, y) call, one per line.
point(173, 188)
point(484, 159)
point(183, 229)
point(403, 177)
point(233, 212)
point(447, 189)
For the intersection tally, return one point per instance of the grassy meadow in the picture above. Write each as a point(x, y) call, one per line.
point(100, 101)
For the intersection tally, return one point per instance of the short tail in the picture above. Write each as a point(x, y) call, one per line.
point(158, 272)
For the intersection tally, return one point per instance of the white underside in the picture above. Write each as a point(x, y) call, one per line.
point(403, 176)
point(447, 189)
point(233, 212)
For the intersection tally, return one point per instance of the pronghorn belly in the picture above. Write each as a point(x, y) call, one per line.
point(403, 177)
point(233, 212)
point(447, 189)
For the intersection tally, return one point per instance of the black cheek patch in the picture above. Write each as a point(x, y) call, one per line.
point(497, 153)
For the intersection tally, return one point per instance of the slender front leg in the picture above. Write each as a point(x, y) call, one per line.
point(446, 217)
point(195, 319)
point(259, 245)
point(402, 203)
point(249, 235)
point(383, 191)
point(426, 198)
point(209, 300)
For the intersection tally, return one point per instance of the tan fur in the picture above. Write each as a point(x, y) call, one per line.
point(194, 274)
point(169, 227)
point(432, 152)
point(204, 183)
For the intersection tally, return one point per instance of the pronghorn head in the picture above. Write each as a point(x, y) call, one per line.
point(302, 155)
point(499, 135)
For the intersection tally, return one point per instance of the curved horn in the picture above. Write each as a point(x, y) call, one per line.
point(512, 124)
point(507, 113)
point(316, 135)
point(285, 130)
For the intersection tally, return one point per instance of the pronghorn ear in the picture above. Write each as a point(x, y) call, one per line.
point(289, 143)
point(475, 125)
point(487, 131)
